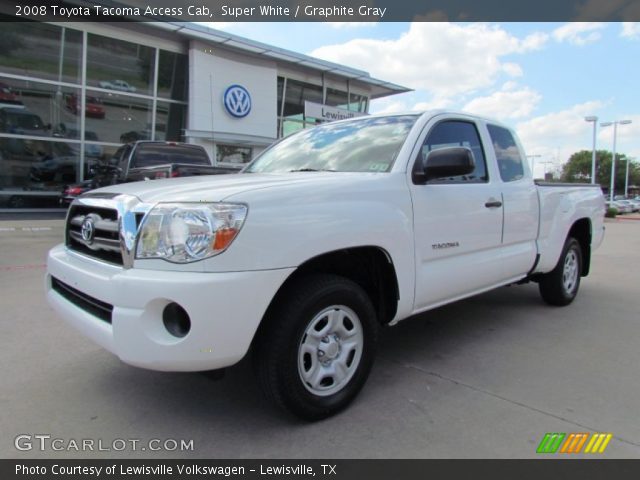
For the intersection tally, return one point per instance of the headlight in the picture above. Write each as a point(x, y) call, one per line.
point(187, 232)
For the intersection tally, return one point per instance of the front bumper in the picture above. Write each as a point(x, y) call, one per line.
point(225, 310)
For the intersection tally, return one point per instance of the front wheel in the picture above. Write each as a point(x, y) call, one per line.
point(316, 349)
point(560, 286)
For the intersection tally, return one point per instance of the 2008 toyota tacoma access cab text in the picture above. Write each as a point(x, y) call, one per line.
point(326, 237)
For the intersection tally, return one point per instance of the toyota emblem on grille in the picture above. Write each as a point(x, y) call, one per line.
point(88, 230)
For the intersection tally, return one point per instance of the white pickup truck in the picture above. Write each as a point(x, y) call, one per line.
point(325, 238)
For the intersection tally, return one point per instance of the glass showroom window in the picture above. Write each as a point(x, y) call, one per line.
point(337, 98)
point(170, 121)
point(358, 103)
point(40, 50)
point(173, 79)
point(36, 108)
point(41, 105)
point(293, 109)
point(233, 155)
point(120, 66)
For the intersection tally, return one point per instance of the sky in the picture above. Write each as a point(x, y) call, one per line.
point(540, 78)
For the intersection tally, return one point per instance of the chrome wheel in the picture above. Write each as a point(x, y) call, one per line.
point(570, 271)
point(330, 350)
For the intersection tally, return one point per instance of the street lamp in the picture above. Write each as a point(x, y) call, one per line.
point(593, 119)
point(533, 163)
point(613, 158)
point(626, 178)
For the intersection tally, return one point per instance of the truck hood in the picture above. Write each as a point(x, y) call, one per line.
point(216, 188)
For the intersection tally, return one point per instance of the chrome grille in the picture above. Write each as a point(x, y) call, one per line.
point(105, 226)
point(94, 232)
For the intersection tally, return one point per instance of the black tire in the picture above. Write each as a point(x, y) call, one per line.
point(558, 287)
point(279, 358)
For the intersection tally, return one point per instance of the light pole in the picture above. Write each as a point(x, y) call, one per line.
point(593, 119)
point(533, 163)
point(626, 179)
point(613, 158)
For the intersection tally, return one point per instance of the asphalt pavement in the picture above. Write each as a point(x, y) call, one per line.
point(485, 377)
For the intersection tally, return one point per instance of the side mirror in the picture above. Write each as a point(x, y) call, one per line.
point(445, 162)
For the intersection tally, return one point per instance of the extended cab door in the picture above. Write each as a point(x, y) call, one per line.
point(457, 221)
point(520, 202)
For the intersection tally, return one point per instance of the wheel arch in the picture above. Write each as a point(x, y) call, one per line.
point(582, 231)
point(371, 267)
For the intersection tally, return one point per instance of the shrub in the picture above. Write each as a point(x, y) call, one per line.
point(611, 212)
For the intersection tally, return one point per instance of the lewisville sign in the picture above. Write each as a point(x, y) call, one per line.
point(329, 114)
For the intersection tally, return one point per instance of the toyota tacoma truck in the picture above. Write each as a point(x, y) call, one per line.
point(325, 238)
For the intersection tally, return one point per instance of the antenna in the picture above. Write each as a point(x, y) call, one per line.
point(213, 141)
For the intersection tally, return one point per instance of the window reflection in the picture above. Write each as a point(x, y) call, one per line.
point(32, 166)
point(337, 98)
point(232, 154)
point(128, 118)
point(41, 139)
point(170, 121)
point(173, 75)
point(41, 50)
point(120, 66)
point(33, 108)
point(362, 145)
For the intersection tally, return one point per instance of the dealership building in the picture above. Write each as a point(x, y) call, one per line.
point(72, 93)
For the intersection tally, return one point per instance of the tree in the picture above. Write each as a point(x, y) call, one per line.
point(578, 169)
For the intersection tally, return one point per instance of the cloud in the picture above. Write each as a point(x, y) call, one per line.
point(557, 135)
point(509, 103)
point(442, 58)
point(630, 30)
point(512, 69)
point(405, 104)
point(579, 33)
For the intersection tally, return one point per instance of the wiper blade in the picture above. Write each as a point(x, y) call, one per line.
point(311, 170)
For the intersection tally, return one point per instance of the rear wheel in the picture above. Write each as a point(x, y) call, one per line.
point(560, 286)
point(316, 349)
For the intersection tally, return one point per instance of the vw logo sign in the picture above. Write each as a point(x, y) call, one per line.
point(88, 230)
point(237, 101)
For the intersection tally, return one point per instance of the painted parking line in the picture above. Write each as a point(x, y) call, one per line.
point(6, 268)
point(26, 229)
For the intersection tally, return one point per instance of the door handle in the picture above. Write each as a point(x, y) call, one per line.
point(493, 203)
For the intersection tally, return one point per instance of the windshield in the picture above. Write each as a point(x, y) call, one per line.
point(362, 145)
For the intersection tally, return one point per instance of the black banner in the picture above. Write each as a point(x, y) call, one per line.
point(321, 10)
point(319, 469)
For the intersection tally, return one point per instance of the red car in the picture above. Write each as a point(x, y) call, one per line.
point(7, 96)
point(93, 107)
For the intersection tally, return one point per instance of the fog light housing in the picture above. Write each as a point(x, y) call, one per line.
point(176, 320)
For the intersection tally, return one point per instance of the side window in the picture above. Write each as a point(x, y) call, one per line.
point(124, 157)
point(456, 133)
point(507, 153)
